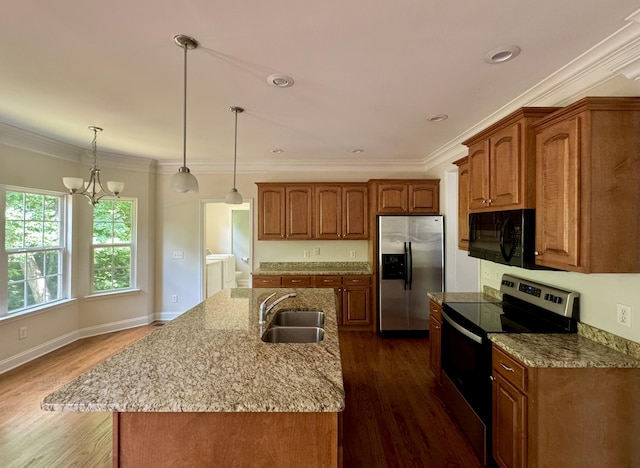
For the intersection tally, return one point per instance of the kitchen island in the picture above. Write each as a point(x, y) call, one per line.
point(205, 390)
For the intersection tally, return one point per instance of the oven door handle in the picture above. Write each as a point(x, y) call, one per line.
point(459, 328)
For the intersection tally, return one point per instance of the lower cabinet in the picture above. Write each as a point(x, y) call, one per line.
point(353, 294)
point(563, 417)
point(435, 339)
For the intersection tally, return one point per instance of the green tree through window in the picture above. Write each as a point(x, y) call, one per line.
point(113, 241)
point(34, 244)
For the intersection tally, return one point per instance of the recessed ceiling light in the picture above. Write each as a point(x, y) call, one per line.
point(502, 54)
point(357, 151)
point(280, 81)
point(437, 117)
point(277, 150)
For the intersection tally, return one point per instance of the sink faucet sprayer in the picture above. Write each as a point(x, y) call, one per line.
point(264, 310)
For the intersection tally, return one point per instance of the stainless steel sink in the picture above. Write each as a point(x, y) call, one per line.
point(275, 334)
point(298, 318)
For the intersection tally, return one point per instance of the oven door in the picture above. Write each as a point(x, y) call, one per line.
point(466, 360)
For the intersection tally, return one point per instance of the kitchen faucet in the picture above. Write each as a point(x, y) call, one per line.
point(265, 310)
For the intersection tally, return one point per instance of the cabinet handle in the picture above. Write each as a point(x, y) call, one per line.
point(492, 378)
point(507, 368)
point(356, 281)
point(437, 327)
point(536, 253)
point(296, 281)
point(326, 281)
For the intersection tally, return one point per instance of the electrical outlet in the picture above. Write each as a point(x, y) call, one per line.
point(306, 254)
point(174, 298)
point(486, 274)
point(22, 333)
point(178, 254)
point(316, 251)
point(353, 254)
point(496, 275)
point(623, 315)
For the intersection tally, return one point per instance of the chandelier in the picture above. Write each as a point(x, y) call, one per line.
point(93, 189)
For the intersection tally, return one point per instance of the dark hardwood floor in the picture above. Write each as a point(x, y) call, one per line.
point(393, 416)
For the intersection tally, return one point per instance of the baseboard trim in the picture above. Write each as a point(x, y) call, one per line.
point(40, 350)
point(167, 316)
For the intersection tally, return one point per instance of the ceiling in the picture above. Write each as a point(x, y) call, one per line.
point(368, 74)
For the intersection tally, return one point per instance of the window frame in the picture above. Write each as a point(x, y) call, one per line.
point(63, 248)
point(132, 244)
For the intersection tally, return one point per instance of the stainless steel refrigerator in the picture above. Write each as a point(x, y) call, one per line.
point(410, 264)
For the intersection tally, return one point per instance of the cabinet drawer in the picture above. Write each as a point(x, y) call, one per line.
point(266, 281)
point(322, 281)
point(356, 280)
point(510, 369)
point(293, 281)
point(436, 311)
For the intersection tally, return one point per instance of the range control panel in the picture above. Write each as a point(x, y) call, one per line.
point(560, 301)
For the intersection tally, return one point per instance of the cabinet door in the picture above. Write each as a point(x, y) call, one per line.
point(558, 195)
point(299, 212)
point(424, 198)
point(355, 212)
point(505, 167)
point(328, 204)
point(356, 305)
point(271, 212)
point(463, 205)
point(392, 198)
point(479, 172)
point(435, 346)
point(509, 424)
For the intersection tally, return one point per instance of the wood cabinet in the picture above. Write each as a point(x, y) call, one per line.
point(300, 211)
point(502, 162)
point(284, 212)
point(588, 173)
point(435, 339)
point(463, 203)
point(341, 211)
point(407, 196)
point(353, 294)
point(563, 417)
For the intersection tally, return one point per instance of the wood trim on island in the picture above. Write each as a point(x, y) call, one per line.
point(285, 440)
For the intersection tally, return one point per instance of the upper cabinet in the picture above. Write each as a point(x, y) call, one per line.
point(407, 196)
point(341, 211)
point(501, 162)
point(588, 179)
point(299, 211)
point(463, 203)
point(284, 212)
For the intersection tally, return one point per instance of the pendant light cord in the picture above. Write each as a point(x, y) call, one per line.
point(235, 149)
point(184, 108)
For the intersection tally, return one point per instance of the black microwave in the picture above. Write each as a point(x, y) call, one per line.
point(506, 237)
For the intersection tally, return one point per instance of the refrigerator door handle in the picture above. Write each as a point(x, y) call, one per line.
point(410, 267)
point(406, 266)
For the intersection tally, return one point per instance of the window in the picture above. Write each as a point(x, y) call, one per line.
point(34, 245)
point(113, 245)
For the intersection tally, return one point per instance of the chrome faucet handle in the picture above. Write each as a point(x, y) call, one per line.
point(262, 312)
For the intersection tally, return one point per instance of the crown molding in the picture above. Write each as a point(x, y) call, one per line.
point(23, 139)
point(617, 54)
point(383, 166)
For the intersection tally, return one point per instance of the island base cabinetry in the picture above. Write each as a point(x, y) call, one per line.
point(193, 440)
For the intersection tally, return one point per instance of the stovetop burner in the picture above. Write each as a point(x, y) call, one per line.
point(527, 307)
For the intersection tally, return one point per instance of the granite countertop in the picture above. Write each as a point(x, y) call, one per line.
point(211, 359)
point(489, 295)
point(313, 268)
point(566, 350)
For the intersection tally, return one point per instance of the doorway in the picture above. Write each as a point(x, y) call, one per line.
point(228, 230)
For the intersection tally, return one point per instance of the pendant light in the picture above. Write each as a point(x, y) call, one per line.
point(93, 189)
point(184, 181)
point(234, 197)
